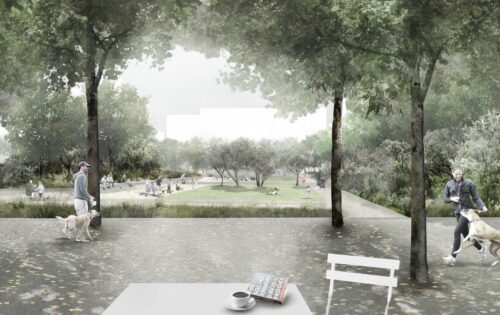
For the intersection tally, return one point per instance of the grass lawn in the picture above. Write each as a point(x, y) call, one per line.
point(248, 192)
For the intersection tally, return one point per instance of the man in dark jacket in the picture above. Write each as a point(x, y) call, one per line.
point(459, 192)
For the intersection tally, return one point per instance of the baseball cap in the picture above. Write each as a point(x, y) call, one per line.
point(83, 163)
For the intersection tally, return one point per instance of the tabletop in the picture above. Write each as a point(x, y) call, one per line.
point(197, 298)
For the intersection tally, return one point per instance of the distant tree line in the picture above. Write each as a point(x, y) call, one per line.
point(47, 138)
point(262, 158)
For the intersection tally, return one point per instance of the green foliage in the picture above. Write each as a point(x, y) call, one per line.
point(239, 156)
point(193, 153)
point(70, 34)
point(440, 149)
point(480, 154)
point(123, 115)
point(28, 209)
point(20, 209)
point(296, 159)
point(320, 147)
point(218, 157)
point(436, 208)
point(264, 161)
point(15, 172)
point(139, 158)
point(19, 68)
point(170, 154)
point(381, 173)
point(35, 126)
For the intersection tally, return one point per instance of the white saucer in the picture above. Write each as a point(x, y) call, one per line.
point(230, 305)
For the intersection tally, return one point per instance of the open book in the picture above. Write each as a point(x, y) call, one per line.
point(268, 287)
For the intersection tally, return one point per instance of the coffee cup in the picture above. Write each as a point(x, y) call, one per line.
point(240, 298)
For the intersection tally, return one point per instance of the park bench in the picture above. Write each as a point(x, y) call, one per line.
point(388, 281)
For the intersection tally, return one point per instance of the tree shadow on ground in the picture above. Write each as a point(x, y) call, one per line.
point(240, 189)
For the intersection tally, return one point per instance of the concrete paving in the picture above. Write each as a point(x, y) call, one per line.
point(44, 273)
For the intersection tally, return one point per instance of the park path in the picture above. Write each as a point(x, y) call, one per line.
point(45, 273)
point(357, 207)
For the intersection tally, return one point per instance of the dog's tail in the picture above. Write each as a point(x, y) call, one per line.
point(60, 218)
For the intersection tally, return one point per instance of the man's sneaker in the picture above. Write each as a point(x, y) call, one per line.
point(482, 252)
point(449, 260)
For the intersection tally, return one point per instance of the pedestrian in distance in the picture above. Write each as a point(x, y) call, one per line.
point(40, 189)
point(461, 192)
point(30, 189)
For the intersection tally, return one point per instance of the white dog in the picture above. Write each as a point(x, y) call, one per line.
point(480, 231)
point(80, 224)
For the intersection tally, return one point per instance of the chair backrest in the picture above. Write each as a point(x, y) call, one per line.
point(388, 281)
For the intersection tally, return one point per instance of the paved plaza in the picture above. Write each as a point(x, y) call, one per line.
point(45, 273)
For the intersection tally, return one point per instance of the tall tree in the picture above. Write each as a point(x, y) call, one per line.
point(123, 116)
point(170, 154)
point(328, 38)
point(218, 157)
point(287, 50)
point(194, 153)
point(240, 151)
point(140, 157)
point(431, 31)
point(297, 158)
point(83, 41)
point(264, 161)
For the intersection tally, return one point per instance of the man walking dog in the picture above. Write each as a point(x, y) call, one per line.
point(459, 192)
point(81, 194)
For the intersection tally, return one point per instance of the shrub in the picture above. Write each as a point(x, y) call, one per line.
point(21, 209)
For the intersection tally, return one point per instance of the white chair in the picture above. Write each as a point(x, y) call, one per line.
point(388, 281)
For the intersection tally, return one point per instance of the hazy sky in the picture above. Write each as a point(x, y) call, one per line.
point(253, 123)
point(189, 83)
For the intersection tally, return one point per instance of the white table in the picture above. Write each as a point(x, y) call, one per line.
point(197, 299)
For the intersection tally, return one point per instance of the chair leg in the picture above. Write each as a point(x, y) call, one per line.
point(389, 294)
point(330, 294)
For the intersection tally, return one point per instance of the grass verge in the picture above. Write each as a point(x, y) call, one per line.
point(20, 209)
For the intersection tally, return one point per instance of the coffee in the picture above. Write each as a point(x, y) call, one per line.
point(240, 294)
point(240, 298)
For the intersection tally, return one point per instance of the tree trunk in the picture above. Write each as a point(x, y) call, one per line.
point(418, 251)
point(262, 180)
point(93, 77)
point(40, 166)
point(336, 190)
point(221, 174)
point(93, 144)
point(297, 178)
point(91, 85)
point(111, 161)
point(235, 177)
point(418, 258)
